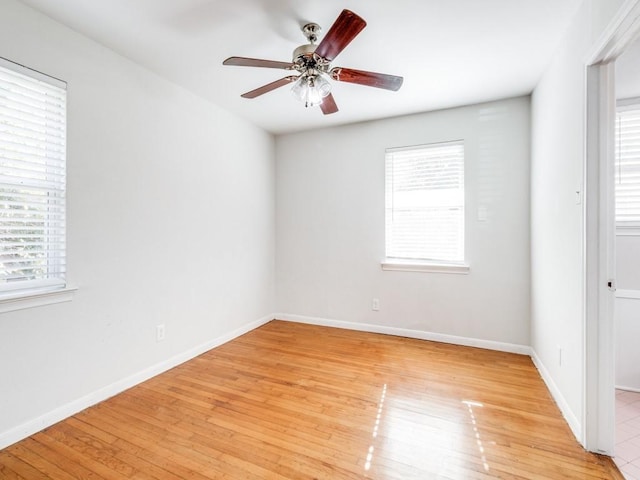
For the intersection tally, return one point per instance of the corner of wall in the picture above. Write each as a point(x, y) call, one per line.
point(572, 420)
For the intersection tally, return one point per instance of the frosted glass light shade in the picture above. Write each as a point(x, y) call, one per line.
point(311, 89)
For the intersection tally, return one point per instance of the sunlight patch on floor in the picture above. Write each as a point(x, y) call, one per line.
point(376, 427)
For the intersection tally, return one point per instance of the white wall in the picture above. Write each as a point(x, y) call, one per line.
point(558, 118)
point(330, 226)
point(628, 262)
point(628, 72)
point(627, 312)
point(171, 209)
point(627, 317)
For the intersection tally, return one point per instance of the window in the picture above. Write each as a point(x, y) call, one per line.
point(627, 168)
point(32, 180)
point(424, 212)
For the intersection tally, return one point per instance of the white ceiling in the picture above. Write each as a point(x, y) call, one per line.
point(450, 52)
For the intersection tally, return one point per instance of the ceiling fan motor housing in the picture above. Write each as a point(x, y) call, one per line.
point(303, 56)
point(303, 51)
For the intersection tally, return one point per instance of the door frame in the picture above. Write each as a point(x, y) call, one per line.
point(599, 230)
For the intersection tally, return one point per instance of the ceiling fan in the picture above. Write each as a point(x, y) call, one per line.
point(313, 63)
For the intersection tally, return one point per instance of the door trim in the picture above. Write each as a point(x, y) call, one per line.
point(599, 230)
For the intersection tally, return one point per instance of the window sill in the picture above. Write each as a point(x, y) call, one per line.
point(408, 266)
point(628, 231)
point(12, 301)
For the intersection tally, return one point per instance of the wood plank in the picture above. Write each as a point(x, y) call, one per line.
point(294, 401)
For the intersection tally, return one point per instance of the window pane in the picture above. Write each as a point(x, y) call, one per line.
point(627, 172)
point(32, 179)
point(425, 202)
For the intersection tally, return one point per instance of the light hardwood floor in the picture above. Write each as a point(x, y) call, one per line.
point(293, 401)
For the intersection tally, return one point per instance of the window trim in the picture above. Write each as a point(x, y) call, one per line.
point(23, 299)
point(38, 292)
point(628, 230)
point(402, 265)
point(428, 265)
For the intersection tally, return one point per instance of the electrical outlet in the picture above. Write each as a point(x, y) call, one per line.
point(375, 304)
point(160, 333)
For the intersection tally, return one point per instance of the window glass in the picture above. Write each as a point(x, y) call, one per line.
point(627, 168)
point(424, 198)
point(32, 179)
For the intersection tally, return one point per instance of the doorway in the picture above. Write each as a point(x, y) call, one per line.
point(600, 234)
point(627, 247)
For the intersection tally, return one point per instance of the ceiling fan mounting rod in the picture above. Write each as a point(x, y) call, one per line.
point(311, 31)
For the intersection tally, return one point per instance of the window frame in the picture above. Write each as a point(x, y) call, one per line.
point(627, 228)
point(424, 264)
point(51, 286)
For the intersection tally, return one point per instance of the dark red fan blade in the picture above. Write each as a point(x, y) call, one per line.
point(268, 87)
point(328, 105)
point(370, 79)
point(346, 27)
point(256, 62)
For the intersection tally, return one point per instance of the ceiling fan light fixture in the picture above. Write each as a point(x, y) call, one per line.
point(311, 89)
point(313, 64)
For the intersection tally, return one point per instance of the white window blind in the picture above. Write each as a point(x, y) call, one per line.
point(424, 196)
point(32, 179)
point(627, 171)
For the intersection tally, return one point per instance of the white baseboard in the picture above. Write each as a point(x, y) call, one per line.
point(404, 332)
point(628, 389)
point(37, 424)
point(562, 403)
